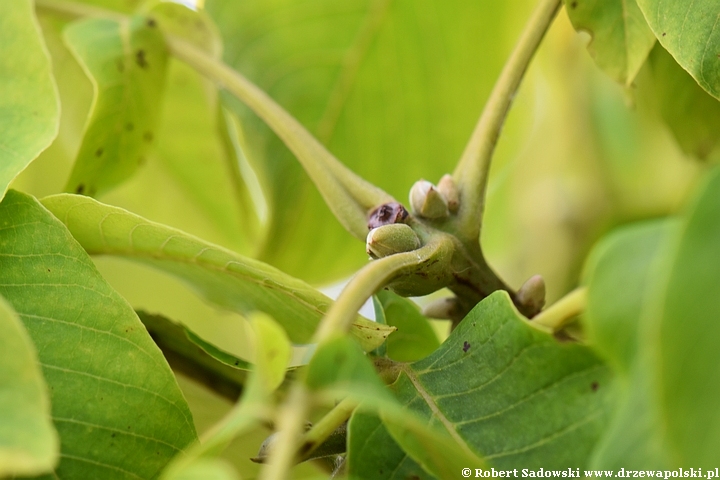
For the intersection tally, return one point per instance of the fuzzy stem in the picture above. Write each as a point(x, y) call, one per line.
point(472, 170)
point(348, 196)
point(561, 312)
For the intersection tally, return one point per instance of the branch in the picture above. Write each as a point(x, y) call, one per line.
point(472, 170)
point(349, 197)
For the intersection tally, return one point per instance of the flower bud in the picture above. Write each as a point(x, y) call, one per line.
point(426, 201)
point(532, 295)
point(391, 239)
point(448, 189)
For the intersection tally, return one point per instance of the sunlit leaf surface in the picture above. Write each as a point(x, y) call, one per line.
point(223, 277)
point(115, 402)
point(688, 30)
point(126, 62)
point(29, 108)
point(621, 39)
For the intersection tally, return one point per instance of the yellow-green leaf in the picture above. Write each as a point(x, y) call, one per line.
point(29, 107)
point(223, 277)
point(29, 444)
point(115, 401)
point(126, 62)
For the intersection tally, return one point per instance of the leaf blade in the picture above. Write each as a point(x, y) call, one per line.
point(29, 443)
point(688, 31)
point(30, 108)
point(115, 402)
point(230, 280)
point(621, 39)
point(126, 62)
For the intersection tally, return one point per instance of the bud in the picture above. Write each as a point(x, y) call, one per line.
point(532, 295)
point(387, 214)
point(443, 309)
point(391, 239)
point(448, 189)
point(426, 201)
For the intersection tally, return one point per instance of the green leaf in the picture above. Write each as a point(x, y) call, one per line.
point(667, 414)
point(613, 326)
point(28, 441)
point(320, 61)
point(415, 337)
point(692, 115)
point(688, 30)
point(221, 276)
point(686, 356)
point(494, 373)
point(115, 402)
point(191, 143)
point(621, 38)
point(373, 453)
point(340, 368)
point(126, 62)
point(612, 316)
point(29, 107)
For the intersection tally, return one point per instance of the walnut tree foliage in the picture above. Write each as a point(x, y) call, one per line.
point(181, 181)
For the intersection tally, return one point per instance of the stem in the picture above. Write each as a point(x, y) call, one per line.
point(77, 9)
point(337, 321)
point(561, 312)
point(290, 428)
point(348, 196)
point(365, 283)
point(315, 437)
point(472, 170)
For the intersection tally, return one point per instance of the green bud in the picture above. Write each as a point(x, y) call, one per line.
point(532, 295)
point(391, 239)
point(427, 201)
point(448, 189)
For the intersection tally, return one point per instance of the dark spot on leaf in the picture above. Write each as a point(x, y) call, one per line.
point(148, 137)
point(573, 5)
point(80, 189)
point(237, 363)
point(466, 346)
point(663, 34)
point(594, 386)
point(48, 269)
point(473, 324)
point(129, 127)
point(113, 435)
point(140, 59)
point(151, 23)
point(378, 329)
point(98, 152)
point(128, 427)
point(387, 214)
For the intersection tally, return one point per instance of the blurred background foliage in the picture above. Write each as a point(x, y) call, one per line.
point(394, 90)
